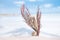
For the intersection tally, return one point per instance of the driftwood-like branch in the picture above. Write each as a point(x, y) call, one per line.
point(33, 22)
point(38, 20)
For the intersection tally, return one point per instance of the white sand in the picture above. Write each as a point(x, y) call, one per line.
point(28, 38)
point(50, 28)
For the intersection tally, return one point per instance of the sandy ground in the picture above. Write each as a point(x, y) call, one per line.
point(28, 38)
point(50, 25)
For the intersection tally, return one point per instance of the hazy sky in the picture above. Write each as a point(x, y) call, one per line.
point(46, 6)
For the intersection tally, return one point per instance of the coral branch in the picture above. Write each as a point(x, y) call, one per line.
point(33, 22)
point(38, 20)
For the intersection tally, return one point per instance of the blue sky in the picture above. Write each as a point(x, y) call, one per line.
point(13, 6)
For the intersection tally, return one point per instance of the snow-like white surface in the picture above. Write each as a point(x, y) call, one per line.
point(11, 25)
